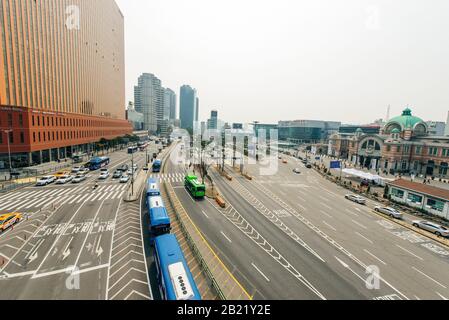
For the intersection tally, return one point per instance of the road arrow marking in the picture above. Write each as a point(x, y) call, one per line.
point(66, 252)
point(99, 250)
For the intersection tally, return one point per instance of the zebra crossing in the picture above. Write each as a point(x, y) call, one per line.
point(169, 177)
point(36, 198)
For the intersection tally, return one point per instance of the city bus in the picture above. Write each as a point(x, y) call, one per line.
point(97, 163)
point(174, 277)
point(158, 216)
point(153, 188)
point(195, 188)
point(133, 149)
point(142, 145)
point(157, 165)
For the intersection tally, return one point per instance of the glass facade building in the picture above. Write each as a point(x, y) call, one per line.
point(62, 76)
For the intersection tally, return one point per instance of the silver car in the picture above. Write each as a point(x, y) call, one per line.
point(389, 212)
point(435, 228)
point(356, 198)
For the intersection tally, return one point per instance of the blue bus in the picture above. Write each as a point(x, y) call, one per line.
point(153, 188)
point(159, 219)
point(175, 279)
point(98, 163)
point(132, 150)
point(157, 164)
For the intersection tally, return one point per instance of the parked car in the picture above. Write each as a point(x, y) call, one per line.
point(45, 181)
point(356, 198)
point(124, 179)
point(79, 178)
point(389, 212)
point(64, 179)
point(84, 170)
point(297, 171)
point(435, 228)
point(308, 166)
point(9, 219)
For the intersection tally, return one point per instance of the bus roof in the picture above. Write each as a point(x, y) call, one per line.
point(153, 186)
point(194, 180)
point(170, 257)
point(158, 213)
point(157, 161)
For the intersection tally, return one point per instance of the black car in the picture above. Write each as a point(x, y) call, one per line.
point(308, 166)
point(123, 168)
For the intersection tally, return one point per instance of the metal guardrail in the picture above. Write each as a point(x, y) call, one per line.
point(176, 205)
point(191, 242)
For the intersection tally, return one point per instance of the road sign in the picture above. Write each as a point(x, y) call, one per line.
point(335, 165)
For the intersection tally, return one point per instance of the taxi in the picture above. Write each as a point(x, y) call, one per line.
point(60, 174)
point(9, 219)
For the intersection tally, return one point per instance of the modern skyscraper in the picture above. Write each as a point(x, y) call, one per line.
point(164, 113)
point(212, 123)
point(62, 78)
point(149, 100)
point(170, 98)
point(197, 109)
point(188, 107)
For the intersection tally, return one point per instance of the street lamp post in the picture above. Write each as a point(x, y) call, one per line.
point(9, 151)
point(132, 173)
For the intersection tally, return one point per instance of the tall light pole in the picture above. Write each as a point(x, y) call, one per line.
point(255, 123)
point(132, 173)
point(9, 151)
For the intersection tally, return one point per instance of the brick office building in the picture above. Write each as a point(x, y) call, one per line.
point(404, 145)
point(62, 81)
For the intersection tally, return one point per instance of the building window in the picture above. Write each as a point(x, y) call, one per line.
point(38, 121)
point(433, 151)
point(32, 120)
point(418, 150)
point(397, 193)
point(1, 137)
point(388, 148)
point(10, 119)
point(398, 148)
point(406, 149)
point(20, 120)
point(414, 198)
point(39, 136)
point(11, 137)
point(34, 136)
point(435, 204)
point(22, 138)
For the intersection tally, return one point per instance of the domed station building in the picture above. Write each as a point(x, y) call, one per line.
point(403, 145)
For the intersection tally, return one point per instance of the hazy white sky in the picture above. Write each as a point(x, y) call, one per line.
point(344, 60)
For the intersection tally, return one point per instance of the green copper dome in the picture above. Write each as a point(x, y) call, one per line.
point(406, 120)
point(395, 130)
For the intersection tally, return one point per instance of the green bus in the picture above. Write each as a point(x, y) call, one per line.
point(195, 188)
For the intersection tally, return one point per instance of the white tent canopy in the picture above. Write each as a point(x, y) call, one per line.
point(367, 176)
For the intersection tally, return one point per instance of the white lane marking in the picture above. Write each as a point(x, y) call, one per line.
point(73, 200)
point(325, 205)
point(302, 199)
point(372, 255)
point(224, 235)
point(302, 207)
point(202, 211)
point(360, 235)
point(66, 200)
point(410, 252)
point(430, 278)
point(441, 296)
point(353, 213)
point(324, 199)
point(258, 270)
point(359, 224)
point(326, 214)
point(418, 298)
point(82, 198)
point(327, 224)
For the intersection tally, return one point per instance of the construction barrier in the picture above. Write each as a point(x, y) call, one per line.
point(220, 201)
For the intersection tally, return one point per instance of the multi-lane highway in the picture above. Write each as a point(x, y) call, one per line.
point(76, 241)
point(295, 236)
